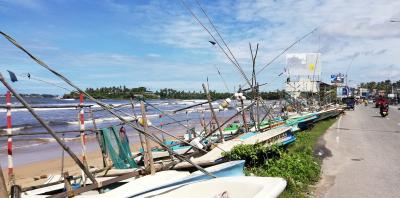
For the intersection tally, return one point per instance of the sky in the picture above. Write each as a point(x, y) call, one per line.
point(158, 44)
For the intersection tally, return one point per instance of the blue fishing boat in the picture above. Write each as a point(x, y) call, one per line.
point(306, 123)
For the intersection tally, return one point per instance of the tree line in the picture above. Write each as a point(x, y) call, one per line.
point(382, 85)
point(122, 92)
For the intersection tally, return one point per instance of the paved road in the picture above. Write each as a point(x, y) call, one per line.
point(365, 159)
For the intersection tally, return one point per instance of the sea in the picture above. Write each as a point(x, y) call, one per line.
point(37, 147)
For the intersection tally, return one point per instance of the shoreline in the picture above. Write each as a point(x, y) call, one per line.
point(36, 173)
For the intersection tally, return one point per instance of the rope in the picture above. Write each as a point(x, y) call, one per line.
point(215, 29)
point(40, 80)
point(219, 45)
point(286, 49)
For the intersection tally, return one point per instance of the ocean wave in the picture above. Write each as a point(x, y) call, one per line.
point(35, 142)
point(13, 129)
point(17, 127)
point(100, 120)
point(39, 109)
point(55, 109)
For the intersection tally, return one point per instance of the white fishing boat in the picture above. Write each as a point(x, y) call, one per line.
point(215, 155)
point(160, 180)
point(232, 187)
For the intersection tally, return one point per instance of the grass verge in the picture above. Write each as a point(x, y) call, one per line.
point(296, 163)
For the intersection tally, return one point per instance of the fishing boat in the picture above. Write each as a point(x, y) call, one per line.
point(215, 156)
point(233, 187)
point(160, 154)
point(327, 113)
point(267, 124)
point(232, 128)
point(300, 122)
point(133, 187)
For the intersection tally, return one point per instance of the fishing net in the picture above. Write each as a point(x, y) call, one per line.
point(116, 145)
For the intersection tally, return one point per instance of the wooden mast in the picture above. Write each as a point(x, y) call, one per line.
point(149, 158)
point(213, 112)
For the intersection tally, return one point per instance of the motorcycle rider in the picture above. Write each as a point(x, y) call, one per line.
point(384, 106)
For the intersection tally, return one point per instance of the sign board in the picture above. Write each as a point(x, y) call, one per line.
point(304, 85)
point(343, 92)
point(337, 78)
point(304, 65)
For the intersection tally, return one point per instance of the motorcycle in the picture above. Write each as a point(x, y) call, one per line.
point(384, 110)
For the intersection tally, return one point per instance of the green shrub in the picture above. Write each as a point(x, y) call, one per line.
point(254, 155)
point(297, 164)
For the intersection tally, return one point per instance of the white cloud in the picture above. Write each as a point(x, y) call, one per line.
point(100, 60)
point(358, 29)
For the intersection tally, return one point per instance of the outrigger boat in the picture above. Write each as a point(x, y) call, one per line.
point(176, 183)
point(300, 122)
point(132, 187)
point(215, 156)
point(233, 187)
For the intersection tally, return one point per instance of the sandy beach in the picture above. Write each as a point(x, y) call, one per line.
point(36, 173)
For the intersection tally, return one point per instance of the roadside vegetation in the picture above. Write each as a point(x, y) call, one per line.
point(297, 163)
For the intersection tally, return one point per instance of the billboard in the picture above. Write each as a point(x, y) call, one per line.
point(304, 65)
point(304, 85)
point(337, 78)
point(343, 92)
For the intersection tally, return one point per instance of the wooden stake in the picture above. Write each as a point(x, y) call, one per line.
point(62, 156)
point(67, 185)
point(142, 143)
point(213, 113)
point(148, 146)
point(3, 186)
point(246, 128)
point(47, 127)
point(258, 108)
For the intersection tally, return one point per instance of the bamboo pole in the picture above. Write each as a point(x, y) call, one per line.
point(186, 142)
point(148, 146)
point(102, 105)
point(203, 122)
point(213, 112)
point(224, 123)
point(103, 153)
point(47, 127)
point(258, 108)
point(3, 186)
point(246, 127)
point(62, 156)
point(142, 143)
